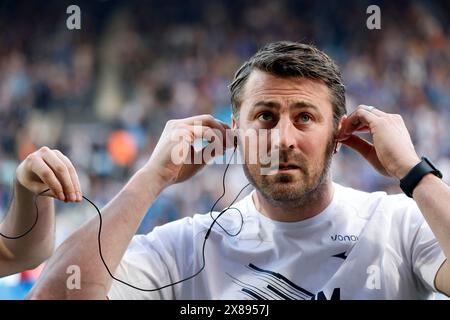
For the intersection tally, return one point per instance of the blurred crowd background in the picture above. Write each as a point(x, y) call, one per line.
point(103, 94)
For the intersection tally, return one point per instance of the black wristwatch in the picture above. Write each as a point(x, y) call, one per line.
point(412, 179)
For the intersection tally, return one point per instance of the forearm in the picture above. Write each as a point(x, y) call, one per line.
point(121, 218)
point(432, 196)
point(36, 246)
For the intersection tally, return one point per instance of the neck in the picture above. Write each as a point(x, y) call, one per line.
point(311, 205)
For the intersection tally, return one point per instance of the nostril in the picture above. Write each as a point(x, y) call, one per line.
point(291, 146)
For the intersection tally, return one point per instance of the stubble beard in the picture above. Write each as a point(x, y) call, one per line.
point(282, 191)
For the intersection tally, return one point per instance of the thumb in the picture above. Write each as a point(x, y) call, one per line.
point(367, 150)
point(358, 144)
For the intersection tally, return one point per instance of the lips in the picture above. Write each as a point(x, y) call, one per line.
point(287, 166)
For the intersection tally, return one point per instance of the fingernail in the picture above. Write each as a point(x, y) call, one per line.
point(61, 196)
point(78, 196)
point(73, 197)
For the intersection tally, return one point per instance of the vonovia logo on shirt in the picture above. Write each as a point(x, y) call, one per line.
point(347, 237)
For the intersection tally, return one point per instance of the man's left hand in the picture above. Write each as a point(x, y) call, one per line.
point(392, 152)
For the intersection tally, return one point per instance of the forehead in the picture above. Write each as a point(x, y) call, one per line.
point(263, 85)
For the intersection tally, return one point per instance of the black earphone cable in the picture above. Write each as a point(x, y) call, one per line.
point(204, 240)
point(229, 207)
point(32, 226)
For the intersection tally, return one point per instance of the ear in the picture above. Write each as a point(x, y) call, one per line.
point(337, 144)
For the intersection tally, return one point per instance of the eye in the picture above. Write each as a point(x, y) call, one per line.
point(265, 116)
point(305, 117)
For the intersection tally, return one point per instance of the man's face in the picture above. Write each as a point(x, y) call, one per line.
point(300, 109)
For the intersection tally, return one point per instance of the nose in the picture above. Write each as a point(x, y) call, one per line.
point(287, 133)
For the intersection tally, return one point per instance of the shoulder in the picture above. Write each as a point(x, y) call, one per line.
point(397, 207)
point(362, 202)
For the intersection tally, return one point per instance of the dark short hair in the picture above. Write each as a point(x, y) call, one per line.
point(292, 59)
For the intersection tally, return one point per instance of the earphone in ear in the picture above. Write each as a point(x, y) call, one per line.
point(235, 133)
point(337, 146)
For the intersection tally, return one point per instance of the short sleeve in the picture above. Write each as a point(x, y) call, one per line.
point(144, 265)
point(427, 256)
point(156, 260)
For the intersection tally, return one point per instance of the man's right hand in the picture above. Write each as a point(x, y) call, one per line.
point(181, 134)
point(50, 169)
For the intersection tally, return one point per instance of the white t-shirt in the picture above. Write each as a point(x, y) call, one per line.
point(362, 246)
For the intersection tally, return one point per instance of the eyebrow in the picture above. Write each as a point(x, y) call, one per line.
point(276, 105)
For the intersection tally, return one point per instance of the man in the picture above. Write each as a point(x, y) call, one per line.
point(303, 236)
point(27, 240)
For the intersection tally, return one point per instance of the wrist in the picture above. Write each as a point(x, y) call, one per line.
point(426, 181)
point(417, 174)
point(21, 191)
point(405, 168)
point(152, 179)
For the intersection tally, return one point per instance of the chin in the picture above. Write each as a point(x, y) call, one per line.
point(285, 192)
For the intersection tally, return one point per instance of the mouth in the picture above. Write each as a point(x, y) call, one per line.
point(287, 167)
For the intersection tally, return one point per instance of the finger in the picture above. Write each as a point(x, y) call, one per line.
point(227, 139)
point(72, 172)
point(61, 172)
point(360, 118)
point(198, 123)
point(373, 110)
point(48, 177)
point(200, 157)
point(363, 128)
point(216, 146)
point(208, 153)
point(367, 150)
point(194, 132)
point(205, 154)
point(207, 120)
